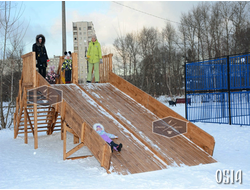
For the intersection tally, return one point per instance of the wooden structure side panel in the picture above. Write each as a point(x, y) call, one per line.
point(195, 134)
point(29, 67)
point(42, 81)
point(92, 140)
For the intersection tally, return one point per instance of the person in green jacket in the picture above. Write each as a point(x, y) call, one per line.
point(94, 57)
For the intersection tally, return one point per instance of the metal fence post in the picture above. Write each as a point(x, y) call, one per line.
point(185, 76)
point(228, 88)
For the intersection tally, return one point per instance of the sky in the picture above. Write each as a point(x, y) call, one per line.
point(109, 18)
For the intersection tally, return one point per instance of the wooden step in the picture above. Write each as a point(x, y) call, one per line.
point(40, 127)
point(40, 107)
point(38, 120)
point(37, 123)
point(38, 131)
point(40, 116)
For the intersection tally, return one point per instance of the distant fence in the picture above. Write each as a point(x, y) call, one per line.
point(219, 90)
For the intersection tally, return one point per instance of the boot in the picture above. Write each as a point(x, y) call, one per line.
point(119, 147)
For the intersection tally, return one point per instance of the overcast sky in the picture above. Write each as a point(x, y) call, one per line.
point(109, 19)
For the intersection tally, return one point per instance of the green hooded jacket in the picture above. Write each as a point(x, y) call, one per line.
point(94, 51)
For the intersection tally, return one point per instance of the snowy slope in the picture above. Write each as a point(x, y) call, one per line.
point(21, 166)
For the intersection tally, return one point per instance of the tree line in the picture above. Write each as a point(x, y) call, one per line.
point(153, 60)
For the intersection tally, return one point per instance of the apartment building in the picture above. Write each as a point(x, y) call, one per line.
point(82, 32)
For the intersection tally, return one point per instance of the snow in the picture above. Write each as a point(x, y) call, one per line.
point(22, 166)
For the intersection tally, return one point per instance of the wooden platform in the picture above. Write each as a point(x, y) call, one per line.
point(135, 156)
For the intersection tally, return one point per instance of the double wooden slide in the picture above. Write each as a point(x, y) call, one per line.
point(124, 110)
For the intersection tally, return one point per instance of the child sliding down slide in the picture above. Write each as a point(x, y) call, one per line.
point(107, 137)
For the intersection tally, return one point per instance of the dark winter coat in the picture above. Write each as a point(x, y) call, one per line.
point(41, 53)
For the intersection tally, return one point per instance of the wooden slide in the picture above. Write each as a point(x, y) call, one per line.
point(124, 110)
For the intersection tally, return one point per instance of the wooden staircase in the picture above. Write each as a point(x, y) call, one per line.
point(48, 118)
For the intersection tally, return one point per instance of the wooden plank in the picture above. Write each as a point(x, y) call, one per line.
point(62, 117)
point(103, 155)
point(83, 132)
point(64, 140)
point(35, 127)
point(195, 134)
point(79, 157)
point(74, 68)
point(40, 127)
point(35, 109)
point(25, 117)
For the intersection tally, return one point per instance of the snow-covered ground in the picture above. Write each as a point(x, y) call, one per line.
point(21, 166)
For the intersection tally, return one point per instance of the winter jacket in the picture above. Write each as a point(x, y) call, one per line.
point(94, 51)
point(67, 65)
point(102, 132)
point(41, 53)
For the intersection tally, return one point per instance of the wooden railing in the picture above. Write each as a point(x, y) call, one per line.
point(105, 68)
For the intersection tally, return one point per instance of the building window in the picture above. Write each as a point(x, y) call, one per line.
point(80, 33)
point(75, 48)
point(79, 28)
point(75, 33)
point(89, 27)
point(80, 38)
point(74, 28)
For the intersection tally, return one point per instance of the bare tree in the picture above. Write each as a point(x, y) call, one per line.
point(11, 34)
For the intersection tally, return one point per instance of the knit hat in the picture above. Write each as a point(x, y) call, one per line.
point(67, 54)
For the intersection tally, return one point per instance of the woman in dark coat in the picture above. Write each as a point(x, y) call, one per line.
point(41, 54)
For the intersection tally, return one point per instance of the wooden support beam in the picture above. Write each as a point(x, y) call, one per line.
point(35, 127)
point(74, 68)
point(53, 123)
point(79, 157)
point(29, 121)
point(63, 105)
point(72, 151)
point(103, 155)
point(83, 132)
point(64, 141)
point(25, 117)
